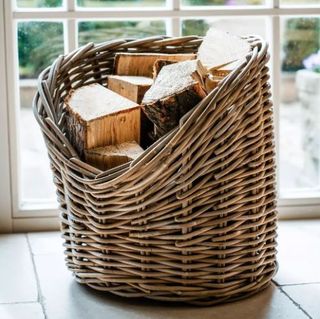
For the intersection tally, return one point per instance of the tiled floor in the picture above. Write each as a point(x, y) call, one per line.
point(34, 284)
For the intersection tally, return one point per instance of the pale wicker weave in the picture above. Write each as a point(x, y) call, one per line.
point(193, 219)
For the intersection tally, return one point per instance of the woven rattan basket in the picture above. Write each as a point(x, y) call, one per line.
point(193, 219)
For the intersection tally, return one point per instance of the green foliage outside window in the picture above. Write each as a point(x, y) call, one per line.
point(301, 38)
point(100, 31)
point(39, 43)
point(39, 3)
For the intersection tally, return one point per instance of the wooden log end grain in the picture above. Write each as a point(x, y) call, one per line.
point(97, 116)
point(221, 52)
point(113, 155)
point(141, 64)
point(130, 86)
point(175, 92)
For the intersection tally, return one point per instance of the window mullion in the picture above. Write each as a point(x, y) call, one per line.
point(275, 4)
point(5, 181)
point(70, 35)
point(276, 73)
point(70, 29)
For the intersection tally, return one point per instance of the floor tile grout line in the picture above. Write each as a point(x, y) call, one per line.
point(18, 303)
point(40, 296)
point(294, 302)
point(298, 284)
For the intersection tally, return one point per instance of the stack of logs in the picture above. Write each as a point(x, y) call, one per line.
point(145, 98)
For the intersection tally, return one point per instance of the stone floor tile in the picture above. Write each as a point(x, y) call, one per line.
point(307, 297)
point(299, 252)
point(46, 242)
point(21, 311)
point(17, 277)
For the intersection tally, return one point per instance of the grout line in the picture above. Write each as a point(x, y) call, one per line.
point(297, 284)
point(294, 302)
point(18, 303)
point(40, 296)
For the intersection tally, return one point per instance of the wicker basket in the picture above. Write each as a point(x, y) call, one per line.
point(193, 219)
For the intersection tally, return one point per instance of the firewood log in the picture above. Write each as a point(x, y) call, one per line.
point(131, 87)
point(221, 52)
point(97, 116)
point(141, 64)
point(175, 91)
point(159, 64)
point(113, 155)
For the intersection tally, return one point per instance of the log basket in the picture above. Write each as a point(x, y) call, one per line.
point(193, 219)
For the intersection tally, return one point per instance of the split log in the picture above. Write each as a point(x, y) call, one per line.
point(159, 64)
point(134, 88)
point(113, 155)
point(131, 87)
point(141, 64)
point(221, 52)
point(207, 80)
point(97, 116)
point(175, 92)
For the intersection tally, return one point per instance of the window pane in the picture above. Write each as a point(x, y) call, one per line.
point(300, 2)
point(39, 43)
point(99, 31)
point(121, 3)
point(222, 2)
point(39, 3)
point(239, 26)
point(300, 101)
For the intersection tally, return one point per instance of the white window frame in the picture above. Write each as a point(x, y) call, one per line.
point(15, 218)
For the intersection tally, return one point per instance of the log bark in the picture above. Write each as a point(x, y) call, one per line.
point(174, 93)
point(131, 87)
point(141, 64)
point(113, 155)
point(97, 116)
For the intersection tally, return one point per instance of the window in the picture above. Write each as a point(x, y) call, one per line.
point(34, 32)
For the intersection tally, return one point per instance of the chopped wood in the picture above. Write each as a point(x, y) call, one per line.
point(159, 64)
point(97, 116)
point(174, 92)
point(207, 80)
point(141, 64)
point(221, 52)
point(113, 155)
point(131, 87)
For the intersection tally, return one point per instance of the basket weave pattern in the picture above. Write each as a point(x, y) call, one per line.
point(193, 219)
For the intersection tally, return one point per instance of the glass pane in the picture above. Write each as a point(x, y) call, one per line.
point(100, 31)
point(39, 3)
point(222, 2)
point(39, 43)
point(239, 26)
point(300, 2)
point(120, 3)
point(300, 101)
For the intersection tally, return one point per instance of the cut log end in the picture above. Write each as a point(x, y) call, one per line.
point(174, 93)
point(131, 87)
point(111, 156)
point(141, 64)
point(96, 116)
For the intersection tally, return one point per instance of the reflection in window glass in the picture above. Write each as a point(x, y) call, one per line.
point(222, 2)
point(39, 43)
point(121, 3)
point(238, 26)
point(100, 31)
point(39, 3)
point(300, 101)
